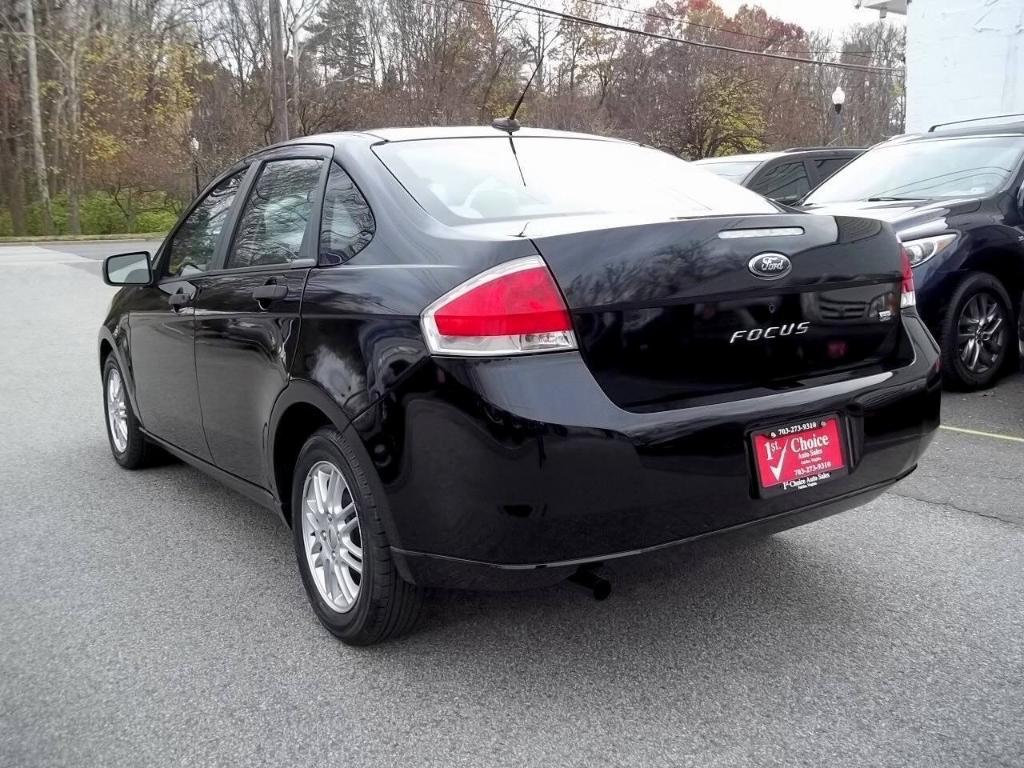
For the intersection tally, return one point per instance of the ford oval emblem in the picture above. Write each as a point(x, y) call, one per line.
point(770, 266)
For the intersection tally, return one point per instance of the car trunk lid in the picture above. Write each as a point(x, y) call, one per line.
point(674, 311)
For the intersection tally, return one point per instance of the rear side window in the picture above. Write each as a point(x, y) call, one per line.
point(347, 224)
point(785, 183)
point(466, 180)
point(193, 245)
point(273, 223)
point(828, 166)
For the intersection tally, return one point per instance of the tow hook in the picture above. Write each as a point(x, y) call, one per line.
point(586, 576)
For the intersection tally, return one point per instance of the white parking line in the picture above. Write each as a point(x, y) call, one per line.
point(979, 433)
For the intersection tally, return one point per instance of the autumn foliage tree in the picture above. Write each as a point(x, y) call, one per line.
point(127, 88)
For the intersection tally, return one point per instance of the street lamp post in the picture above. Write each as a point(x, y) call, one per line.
point(838, 99)
point(193, 144)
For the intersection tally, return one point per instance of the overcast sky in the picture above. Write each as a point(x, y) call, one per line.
point(824, 15)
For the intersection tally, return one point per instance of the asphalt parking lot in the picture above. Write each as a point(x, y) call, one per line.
point(156, 618)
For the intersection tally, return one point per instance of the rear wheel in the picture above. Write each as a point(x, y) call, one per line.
point(977, 333)
point(129, 446)
point(342, 550)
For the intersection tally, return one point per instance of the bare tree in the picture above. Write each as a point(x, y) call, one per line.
point(278, 81)
point(117, 90)
point(38, 148)
point(12, 134)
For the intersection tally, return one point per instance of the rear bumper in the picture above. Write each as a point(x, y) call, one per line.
point(509, 473)
point(454, 572)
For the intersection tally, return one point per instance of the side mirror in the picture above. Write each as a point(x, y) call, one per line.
point(128, 269)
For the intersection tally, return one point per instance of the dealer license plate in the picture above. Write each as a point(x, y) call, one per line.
point(795, 457)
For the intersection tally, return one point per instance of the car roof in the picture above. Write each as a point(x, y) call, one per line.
point(958, 133)
point(983, 125)
point(753, 157)
point(1011, 125)
point(995, 130)
point(796, 152)
point(442, 132)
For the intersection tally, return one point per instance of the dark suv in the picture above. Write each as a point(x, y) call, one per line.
point(954, 196)
point(462, 357)
point(781, 176)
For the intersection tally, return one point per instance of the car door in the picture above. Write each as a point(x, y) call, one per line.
point(247, 315)
point(785, 182)
point(162, 326)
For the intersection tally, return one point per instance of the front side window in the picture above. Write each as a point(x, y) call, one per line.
point(273, 223)
point(925, 170)
point(785, 183)
point(347, 224)
point(193, 245)
point(467, 180)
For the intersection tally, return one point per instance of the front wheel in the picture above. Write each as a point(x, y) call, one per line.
point(130, 448)
point(342, 550)
point(977, 333)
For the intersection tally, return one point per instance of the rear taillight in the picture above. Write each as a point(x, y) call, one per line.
point(512, 309)
point(907, 296)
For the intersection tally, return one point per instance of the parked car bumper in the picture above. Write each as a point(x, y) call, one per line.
point(511, 473)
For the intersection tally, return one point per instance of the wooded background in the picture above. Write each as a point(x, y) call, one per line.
point(110, 109)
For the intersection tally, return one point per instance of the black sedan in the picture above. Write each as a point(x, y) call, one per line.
point(472, 358)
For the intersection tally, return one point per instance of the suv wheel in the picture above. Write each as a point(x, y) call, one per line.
point(129, 446)
point(977, 333)
point(1020, 334)
point(341, 547)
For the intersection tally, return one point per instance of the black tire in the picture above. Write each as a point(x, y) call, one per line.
point(385, 606)
point(1020, 335)
point(137, 452)
point(956, 373)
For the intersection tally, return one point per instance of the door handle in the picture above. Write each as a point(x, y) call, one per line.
point(269, 292)
point(179, 299)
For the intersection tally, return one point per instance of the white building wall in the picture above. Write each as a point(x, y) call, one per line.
point(965, 58)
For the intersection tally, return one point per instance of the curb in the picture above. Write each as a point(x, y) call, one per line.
point(81, 238)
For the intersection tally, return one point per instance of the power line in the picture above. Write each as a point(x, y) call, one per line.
point(650, 15)
point(540, 11)
point(695, 43)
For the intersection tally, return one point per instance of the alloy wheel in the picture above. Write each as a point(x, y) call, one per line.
point(330, 531)
point(981, 333)
point(117, 410)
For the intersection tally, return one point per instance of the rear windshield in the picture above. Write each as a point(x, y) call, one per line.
point(925, 170)
point(733, 170)
point(482, 179)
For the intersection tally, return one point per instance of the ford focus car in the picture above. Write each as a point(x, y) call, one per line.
point(487, 359)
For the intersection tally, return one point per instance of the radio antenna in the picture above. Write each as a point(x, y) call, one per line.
point(509, 124)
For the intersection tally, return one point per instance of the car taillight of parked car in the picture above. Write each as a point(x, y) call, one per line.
point(514, 308)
